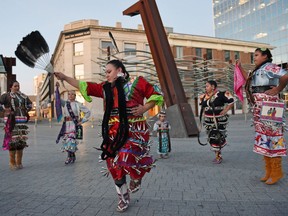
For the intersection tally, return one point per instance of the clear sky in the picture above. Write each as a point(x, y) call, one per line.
point(20, 17)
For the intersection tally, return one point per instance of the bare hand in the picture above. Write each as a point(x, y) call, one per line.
point(238, 63)
point(274, 91)
point(59, 75)
point(139, 110)
point(7, 110)
point(223, 112)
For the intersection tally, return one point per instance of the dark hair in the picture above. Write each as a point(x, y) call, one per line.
point(212, 83)
point(109, 147)
point(265, 51)
point(118, 64)
point(12, 83)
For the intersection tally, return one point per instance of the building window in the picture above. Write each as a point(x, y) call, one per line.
point(252, 58)
point(104, 47)
point(147, 49)
point(236, 55)
point(199, 52)
point(179, 52)
point(209, 54)
point(130, 49)
point(79, 71)
point(78, 49)
point(227, 55)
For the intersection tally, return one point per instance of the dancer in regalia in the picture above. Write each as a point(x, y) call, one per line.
point(265, 83)
point(162, 128)
point(16, 107)
point(72, 124)
point(125, 133)
point(213, 104)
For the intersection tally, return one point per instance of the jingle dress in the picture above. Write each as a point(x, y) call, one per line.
point(68, 130)
point(164, 144)
point(16, 137)
point(219, 99)
point(269, 140)
point(133, 158)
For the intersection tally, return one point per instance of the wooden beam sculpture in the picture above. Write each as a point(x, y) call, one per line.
point(179, 111)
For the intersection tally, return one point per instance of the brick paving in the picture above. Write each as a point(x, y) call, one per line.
point(185, 184)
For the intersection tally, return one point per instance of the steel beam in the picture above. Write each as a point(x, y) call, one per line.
point(164, 61)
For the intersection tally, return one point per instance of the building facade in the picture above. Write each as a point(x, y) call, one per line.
point(84, 46)
point(263, 21)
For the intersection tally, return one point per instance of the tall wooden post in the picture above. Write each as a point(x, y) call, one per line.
point(174, 95)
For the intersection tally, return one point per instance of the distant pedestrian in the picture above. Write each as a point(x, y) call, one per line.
point(72, 125)
point(213, 104)
point(162, 127)
point(266, 81)
point(16, 107)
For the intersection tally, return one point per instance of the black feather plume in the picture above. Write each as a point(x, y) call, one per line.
point(31, 48)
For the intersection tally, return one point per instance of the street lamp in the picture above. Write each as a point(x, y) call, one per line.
point(2, 66)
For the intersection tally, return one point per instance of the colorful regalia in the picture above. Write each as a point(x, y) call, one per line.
point(16, 129)
point(133, 157)
point(219, 99)
point(68, 132)
point(269, 140)
point(164, 143)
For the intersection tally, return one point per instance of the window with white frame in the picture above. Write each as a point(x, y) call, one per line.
point(104, 47)
point(130, 49)
point(78, 49)
point(79, 71)
point(179, 52)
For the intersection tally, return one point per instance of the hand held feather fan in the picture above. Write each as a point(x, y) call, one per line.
point(33, 51)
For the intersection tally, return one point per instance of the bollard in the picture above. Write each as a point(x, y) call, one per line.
point(50, 122)
point(35, 121)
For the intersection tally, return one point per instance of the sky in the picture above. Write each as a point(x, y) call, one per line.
point(20, 17)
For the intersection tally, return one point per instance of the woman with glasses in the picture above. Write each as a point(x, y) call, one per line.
point(263, 85)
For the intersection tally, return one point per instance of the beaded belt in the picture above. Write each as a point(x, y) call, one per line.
point(260, 89)
point(215, 108)
point(115, 111)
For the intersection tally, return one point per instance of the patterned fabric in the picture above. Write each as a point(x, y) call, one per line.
point(219, 99)
point(68, 129)
point(164, 145)
point(133, 158)
point(16, 130)
point(269, 140)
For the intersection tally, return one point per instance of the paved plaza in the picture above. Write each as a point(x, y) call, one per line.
point(187, 183)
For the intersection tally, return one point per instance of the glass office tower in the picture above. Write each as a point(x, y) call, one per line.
point(264, 21)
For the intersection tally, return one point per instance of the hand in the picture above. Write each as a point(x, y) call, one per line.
point(139, 110)
point(223, 112)
point(238, 63)
point(59, 75)
point(274, 91)
point(7, 110)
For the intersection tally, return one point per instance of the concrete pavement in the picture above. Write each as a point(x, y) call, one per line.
point(185, 184)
